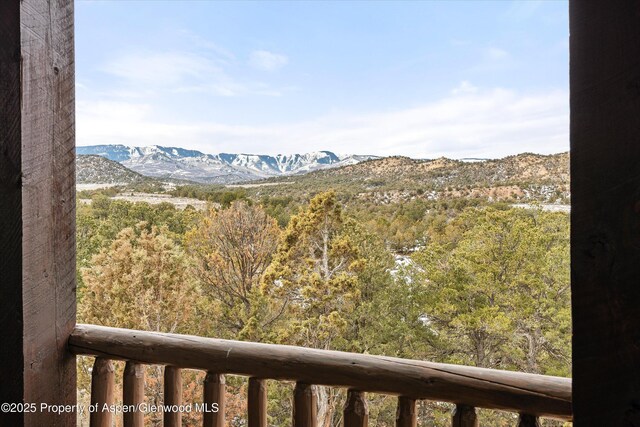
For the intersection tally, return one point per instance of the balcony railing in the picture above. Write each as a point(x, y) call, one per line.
point(529, 395)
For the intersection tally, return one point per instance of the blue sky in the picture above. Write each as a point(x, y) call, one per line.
point(422, 79)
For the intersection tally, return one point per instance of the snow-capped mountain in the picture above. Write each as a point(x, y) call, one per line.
point(223, 168)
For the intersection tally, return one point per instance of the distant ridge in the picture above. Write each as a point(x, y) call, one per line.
point(524, 177)
point(223, 168)
point(92, 169)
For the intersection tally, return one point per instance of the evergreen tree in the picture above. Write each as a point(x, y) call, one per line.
point(140, 281)
point(497, 287)
point(331, 272)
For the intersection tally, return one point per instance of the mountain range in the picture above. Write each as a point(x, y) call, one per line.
point(523, 177)
point(223, 168)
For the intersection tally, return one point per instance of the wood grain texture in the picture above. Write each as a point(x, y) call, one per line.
point(519, 392)
point(356, 410)
point(605, 211)
point(257, 403)
point(305, 405)
point(133, 393)
point(37, 203)
point(406, 412)
point(172, 396)
point(214, 394)
point(464, 416)
point(102, 385)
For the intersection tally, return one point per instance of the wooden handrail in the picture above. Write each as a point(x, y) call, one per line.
point(537, 395)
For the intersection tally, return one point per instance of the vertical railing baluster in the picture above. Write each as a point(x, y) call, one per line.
point(133, 394)
point(464, 416)
point(172, 396)
point(214, 388)
point(257, 403)
point(356, 410)
point(526, 420)
point(102, 385)
point(406, 412)
point(305, 405)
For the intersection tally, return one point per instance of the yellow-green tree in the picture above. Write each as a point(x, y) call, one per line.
point(316, 270)
point(329, 270)
point(140, 281)
point(99, 222)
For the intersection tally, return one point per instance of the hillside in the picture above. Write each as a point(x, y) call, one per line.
point(525, 176)
point(91, 169)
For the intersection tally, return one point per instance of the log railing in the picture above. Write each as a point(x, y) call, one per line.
point(530, 395)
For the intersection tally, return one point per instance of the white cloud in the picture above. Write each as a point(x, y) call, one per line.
point(164, 69)
point(195, 40)
point(268, 61)
point(464, 87)
point(485, 123)
point(145, 74)
point(493, 59)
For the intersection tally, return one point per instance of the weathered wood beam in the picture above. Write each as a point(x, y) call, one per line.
point(305, 405)
point(406, 412)
point(257, 403)
point(214, 395)
point(605, 211)
point(102, 385)
point(37, 207)
point(464, 416)
point(133, 393)
point(519, 392)
point(356, 410)
point(172, 396)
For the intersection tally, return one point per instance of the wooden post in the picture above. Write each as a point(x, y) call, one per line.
point(257, 402)
point(214, 388)
point(525, 420)
point(172, 396)
point(356, 410)
point(133, 393)
point(406, 412)
point(605, 211)
point(305, 405)
point(102, 385)
point(37, 208)
point(464, 416)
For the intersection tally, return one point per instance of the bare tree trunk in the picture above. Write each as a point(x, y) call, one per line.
point(532, 352)
point(323, 406)
point(327, 403)
point(325, 253)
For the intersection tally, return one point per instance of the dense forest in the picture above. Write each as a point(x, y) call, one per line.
point(456, 280)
